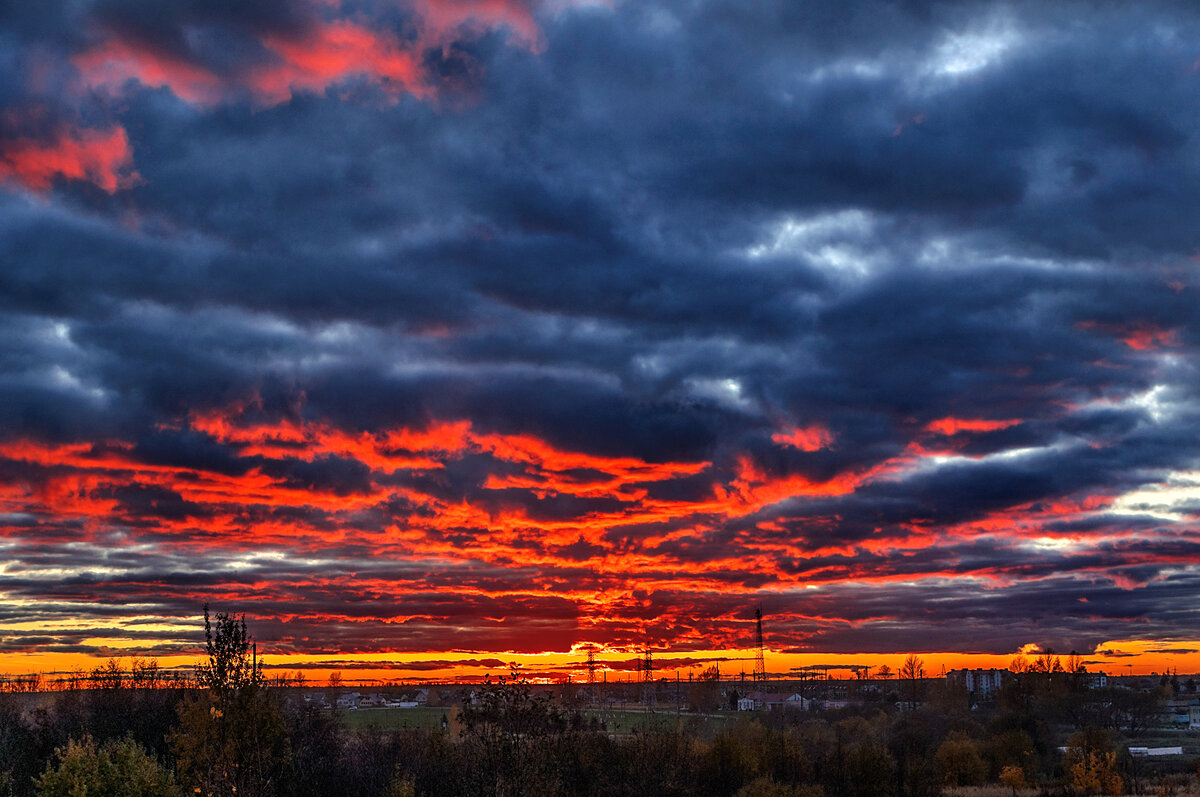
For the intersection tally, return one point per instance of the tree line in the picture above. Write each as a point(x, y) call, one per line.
point(232, 734)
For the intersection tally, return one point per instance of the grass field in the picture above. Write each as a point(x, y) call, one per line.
point(621, 721)
point(396, 718)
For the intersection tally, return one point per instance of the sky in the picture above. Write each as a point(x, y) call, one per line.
point(435, 335)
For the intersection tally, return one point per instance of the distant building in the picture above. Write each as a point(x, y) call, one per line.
point(1140, 752)
point(1182, 713)
point(981, 683)
point(792, 702)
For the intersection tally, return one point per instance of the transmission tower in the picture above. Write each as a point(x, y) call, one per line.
point(760, 666)
point(647, 676)
point(591, 666)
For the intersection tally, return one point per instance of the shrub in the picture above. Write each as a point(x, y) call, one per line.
point(1013, 777)
point(959, 763)
point(116, 769)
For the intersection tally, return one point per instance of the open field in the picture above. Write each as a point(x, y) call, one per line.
point(623, 721)
point(396, 718)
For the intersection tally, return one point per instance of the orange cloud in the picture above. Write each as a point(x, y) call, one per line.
point(102, 157)
point(951, 426)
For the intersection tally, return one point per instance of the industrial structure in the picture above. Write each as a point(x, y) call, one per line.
point(760, 666)
point(647, 668)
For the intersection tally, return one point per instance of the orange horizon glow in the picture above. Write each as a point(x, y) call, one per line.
point(1135, 657)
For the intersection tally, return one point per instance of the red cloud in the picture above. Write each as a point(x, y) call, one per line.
point(615, 543)
point(113, 63)
point(332, 53)
point(807, 438)
point(442, 17)
point(102, 157)
point(951, 426)
point(326, 55)
point(1137, 335)
point(328, 52)
point(1149, 338)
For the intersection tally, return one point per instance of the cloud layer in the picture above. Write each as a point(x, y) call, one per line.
point(487, 325)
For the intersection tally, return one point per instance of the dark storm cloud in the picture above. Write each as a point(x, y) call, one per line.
point(668, 232)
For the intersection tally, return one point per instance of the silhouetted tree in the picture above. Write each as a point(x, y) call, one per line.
point(913, 674)
point(1136, 711)
point(135, 702)
point(315, 737)
point(503, 725)
point(232, 659)
point(1047, 663)
point(231, 740)
point(20, 758)
point(704, 695)
point(913, 743)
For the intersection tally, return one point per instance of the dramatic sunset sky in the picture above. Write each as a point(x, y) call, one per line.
point(440, 334)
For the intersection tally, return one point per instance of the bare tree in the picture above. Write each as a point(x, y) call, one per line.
point(913, 672)
point(1047, 663)
point(913, 668)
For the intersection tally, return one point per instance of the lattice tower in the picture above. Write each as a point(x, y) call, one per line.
point(760, 666)
point(647, 677)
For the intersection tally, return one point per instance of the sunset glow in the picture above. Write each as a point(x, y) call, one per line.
point(444, 336)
